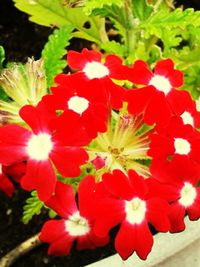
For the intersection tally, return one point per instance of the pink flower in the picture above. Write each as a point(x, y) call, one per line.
point(83, 108)
point(90, 65)
point(129, 204)
point(40, 148)
point(154, 99)
point(77, 224)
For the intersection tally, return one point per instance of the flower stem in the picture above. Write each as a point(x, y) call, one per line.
point(19, 251)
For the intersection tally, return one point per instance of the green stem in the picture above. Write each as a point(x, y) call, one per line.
point(130, 35)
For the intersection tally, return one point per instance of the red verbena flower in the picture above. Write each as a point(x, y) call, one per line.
point(154, 99)
point(40, 148)
point(83, 108)
point(90, 65)
point(177, 140)
point(128, 203)
point(179, 183)
point(77, 224)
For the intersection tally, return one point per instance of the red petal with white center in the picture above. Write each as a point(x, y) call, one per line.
point(6, 186)
point(118, 184)
point(166, 68)
point(158, 110)
point(78, 60)
point(63, 200)
point(13, 139)
point(54, 232)
point(140, 73)
point(138, 99)
point(180, 102)
point(68, 160)
point(157, 214)
point(40, 176)
point(176, 217)
point(109, 213)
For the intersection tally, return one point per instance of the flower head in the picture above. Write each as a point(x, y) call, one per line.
point(76, 224)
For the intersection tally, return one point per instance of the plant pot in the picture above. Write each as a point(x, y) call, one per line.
point(181, 249)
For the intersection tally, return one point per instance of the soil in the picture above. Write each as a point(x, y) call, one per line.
point(21, 39)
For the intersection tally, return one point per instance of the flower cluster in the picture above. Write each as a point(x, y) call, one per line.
point(135, 151)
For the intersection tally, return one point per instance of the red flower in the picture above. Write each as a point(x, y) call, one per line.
point(154, 99)
point(177, 140)
point(40, 148)
point(83, 107)
point(180, 179)
point(76, 224)
point(184, 107)
point(130, 205)
point(90, 66)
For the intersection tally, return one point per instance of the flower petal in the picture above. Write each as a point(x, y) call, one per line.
point(40, 176)
point(67, 160)
point(63, 200)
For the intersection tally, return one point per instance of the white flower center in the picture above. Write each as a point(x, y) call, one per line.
point(135, 210)
point(78, 104)
point(95, 70)
point(39, 146)
point(182, 146)
point(187, 118)
point(188, 195)
point(161, 83)
point(77, 225)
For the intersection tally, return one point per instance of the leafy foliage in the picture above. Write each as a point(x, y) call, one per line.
point(54, 51)
point(91, 5)
point(141, 9)
point(2, 56)
point(32, 207)
point(3, 95)
point(57, 13)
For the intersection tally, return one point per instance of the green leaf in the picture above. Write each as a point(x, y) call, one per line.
point(2, 56)
point(91, 5)
point(54, 51)
point(32, 207)
point(56, 13)
point(114, 48)
point(141, 9)
point(163, 20)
